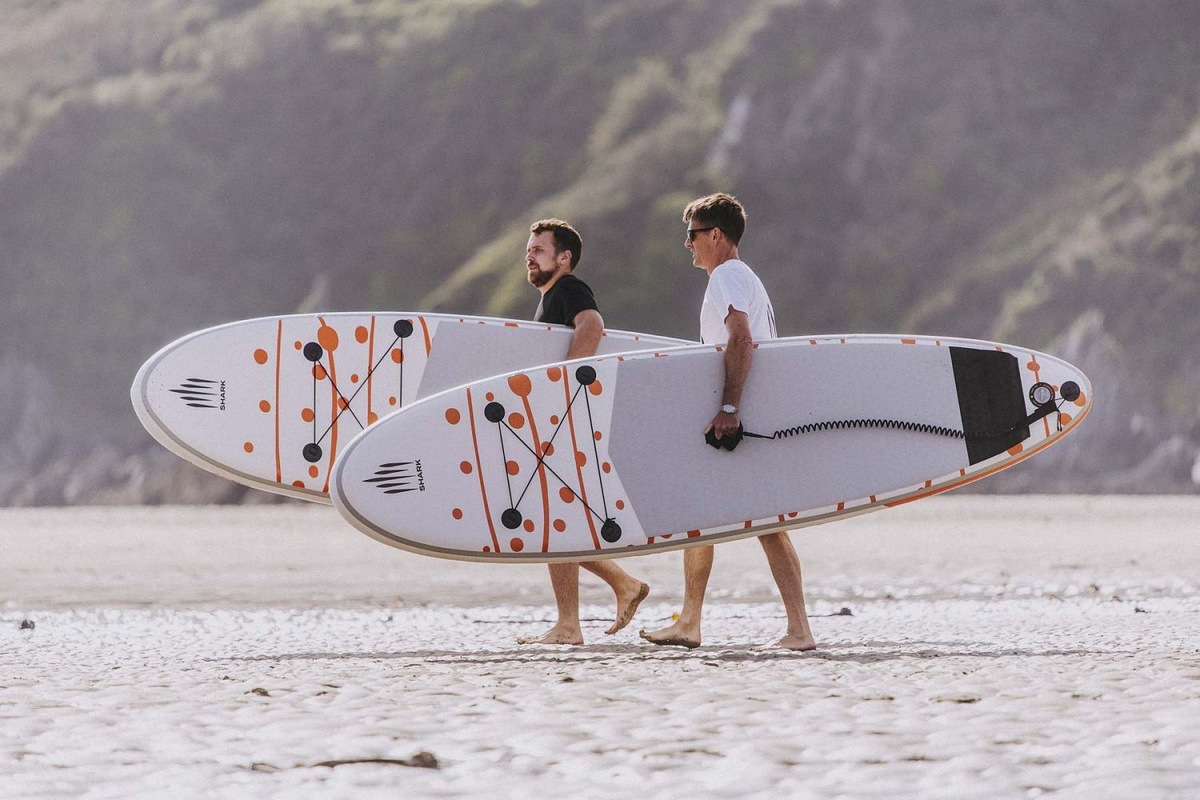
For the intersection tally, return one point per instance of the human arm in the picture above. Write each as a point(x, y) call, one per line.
point(739, 351)
point(589, 326)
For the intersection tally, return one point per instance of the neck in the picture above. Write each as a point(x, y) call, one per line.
point(721, 256)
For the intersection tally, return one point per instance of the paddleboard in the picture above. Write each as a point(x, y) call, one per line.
point(605, 457)
point(269, 402)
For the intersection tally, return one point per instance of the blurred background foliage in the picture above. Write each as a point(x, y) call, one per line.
point(1025, 170)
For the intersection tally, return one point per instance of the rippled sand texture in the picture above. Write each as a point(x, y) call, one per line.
point(994, 647)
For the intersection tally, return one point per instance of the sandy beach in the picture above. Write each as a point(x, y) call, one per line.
point(969, 647)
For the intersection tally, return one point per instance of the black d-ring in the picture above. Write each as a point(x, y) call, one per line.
point(493, 412)
point(585, 375)
point(313, 352)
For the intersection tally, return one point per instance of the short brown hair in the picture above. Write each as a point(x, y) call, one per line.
point(565, 237)
point(719, 210)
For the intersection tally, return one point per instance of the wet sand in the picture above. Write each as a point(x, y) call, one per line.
point(990, 647)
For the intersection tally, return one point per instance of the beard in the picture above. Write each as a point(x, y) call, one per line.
point(539, 277)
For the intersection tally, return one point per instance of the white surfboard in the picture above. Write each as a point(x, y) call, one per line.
point(605, 457)
point(270, 402)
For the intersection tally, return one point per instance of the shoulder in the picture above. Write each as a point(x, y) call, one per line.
point(733, 275)
point(568, 286)
point(734, 269)
point(571, 283)
point(572, 296)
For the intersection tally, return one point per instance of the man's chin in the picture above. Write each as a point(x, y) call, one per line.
point(538, 279)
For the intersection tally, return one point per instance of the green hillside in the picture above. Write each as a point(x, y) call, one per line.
point(1009, 170)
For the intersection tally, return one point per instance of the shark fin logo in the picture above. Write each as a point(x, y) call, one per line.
point(201, 393)
point(398, 477)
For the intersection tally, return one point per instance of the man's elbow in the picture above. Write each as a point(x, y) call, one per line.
point(589, 323)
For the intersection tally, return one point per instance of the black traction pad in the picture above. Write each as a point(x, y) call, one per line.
point(991, 401)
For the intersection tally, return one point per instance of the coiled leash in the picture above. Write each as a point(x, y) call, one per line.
point(1042, 395)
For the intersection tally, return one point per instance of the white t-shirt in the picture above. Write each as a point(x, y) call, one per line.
point(733, 283)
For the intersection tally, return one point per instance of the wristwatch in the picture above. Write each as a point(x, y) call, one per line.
point(728, 409)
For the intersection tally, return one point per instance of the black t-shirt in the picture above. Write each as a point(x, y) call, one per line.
point(564, 300)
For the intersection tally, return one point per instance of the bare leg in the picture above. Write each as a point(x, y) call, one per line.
point(697, 564)
point(564, 578)
point(785, 568)
point(629, 590)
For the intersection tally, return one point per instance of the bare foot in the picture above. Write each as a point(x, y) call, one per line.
point(627, 606)
point(793, 641)
point(677, 634)
point(557, 635)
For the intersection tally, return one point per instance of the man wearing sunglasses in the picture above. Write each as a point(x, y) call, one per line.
point(736, 312)
point(551, 255)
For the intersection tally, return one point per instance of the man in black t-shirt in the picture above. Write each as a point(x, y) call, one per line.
point(551, 254)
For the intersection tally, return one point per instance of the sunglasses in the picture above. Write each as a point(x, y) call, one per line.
point(691, 233)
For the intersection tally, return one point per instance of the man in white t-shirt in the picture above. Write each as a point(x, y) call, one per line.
point(736, 313)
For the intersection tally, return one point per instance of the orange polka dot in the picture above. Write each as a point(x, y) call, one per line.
point(297, 345)
point(598, 437)
point(554, 373)
point(397, 355)
point(264, 406)
point(456, 513)
point(693, 534)
point(313, 471)
point(298, 484)
point(452, 416)
point(559, 525)
point(554, 419)
point(1081, 401)
point(318, 372)
point(595, 388)
point(566, 494)
point(1031, 366)
point(516, 544)
point(307, 415)
point(1064, 418)
point(372, 418)
point(607, 467)
point(547, 448)
point(1015, 449)
point(260, 356)
point(248, 447)
point(341, 403)
point(465, 467)
point(620, 505)
point(354, 378)
point(580, 458)
point(513, 467)
point(327, 337)
point(529, 525)
point(391, 401)
point(515, 420)
point(520, 384)
point(361, 333)
point(490, 397)
point(486, 549)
